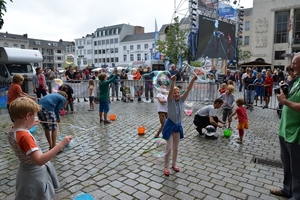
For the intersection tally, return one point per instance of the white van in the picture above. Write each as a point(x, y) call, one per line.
point(17, 61)
point(156, 65)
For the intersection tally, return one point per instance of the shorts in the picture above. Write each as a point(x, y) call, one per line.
point(226, 113)
point(243, 125)
point(91, 99)
point(47, 116)
point(104, 106)
point(268, 92)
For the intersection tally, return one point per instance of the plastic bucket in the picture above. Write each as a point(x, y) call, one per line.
point(227, 133)
point(141, 130)
point(112, 117)
point(83, 196)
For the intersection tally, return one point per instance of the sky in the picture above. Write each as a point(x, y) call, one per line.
point(66, 20)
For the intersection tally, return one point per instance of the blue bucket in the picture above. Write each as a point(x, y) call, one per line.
point(84, 196)
point(32, 130)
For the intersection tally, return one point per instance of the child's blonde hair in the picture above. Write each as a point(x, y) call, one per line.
point(91, 82)
point(17, 78)
point(230, 82)
point(20, 107)
point(239, 102)
point(230, 88)
point(224, 85)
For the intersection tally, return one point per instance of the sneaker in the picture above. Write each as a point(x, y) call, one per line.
point(152, 101)
point(101, 120)
point(106, 122)
point(279, 192)
point(85, 100)
point(147, 99)
point(118, 99)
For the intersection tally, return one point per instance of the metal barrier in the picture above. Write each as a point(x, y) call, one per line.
point(259, 99)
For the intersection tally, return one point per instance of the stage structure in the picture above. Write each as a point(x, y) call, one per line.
point(215, 30)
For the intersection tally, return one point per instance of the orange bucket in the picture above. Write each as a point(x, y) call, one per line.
point(112, 117)
point(141, 130)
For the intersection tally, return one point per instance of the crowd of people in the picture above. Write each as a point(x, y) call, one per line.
point(35, 166)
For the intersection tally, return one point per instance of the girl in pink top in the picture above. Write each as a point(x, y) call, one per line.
point(242, 118)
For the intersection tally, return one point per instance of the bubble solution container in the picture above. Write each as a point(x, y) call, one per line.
point(227, 133)
point(84, 196)
point(112, 117)
point(141, 130)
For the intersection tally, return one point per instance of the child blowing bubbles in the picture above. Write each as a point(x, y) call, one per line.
point(36, 177)
point(172, 131)
point(242, 118)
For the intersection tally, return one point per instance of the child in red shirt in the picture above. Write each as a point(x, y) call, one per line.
point(223, 88)
point(242, 118)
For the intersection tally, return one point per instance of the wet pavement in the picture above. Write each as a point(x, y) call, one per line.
point(114, 162)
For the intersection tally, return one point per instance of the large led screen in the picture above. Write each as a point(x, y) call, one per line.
point(216, 39)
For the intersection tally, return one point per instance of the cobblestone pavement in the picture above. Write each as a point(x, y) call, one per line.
point(115, 163)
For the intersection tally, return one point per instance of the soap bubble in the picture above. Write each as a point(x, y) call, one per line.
point(56, 84)
point(159, 149)
point(162, 78)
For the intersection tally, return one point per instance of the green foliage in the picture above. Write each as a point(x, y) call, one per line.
point(197, 64)
point(2, 10)
point(243, 56)
point(175, 43)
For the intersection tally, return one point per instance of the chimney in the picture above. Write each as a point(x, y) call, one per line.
point(25, 35)
point(138, 30)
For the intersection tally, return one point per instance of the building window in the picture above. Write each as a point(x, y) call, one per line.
point(78, 62)
point(111, 41)
point(96, 60)
point(103, 32)
point(95, 52)
point(58, 51)
point(116, 59)
point(131, 47)
point(59, 58)
point(5, 44)
point(124, 58)
point(124, 48)
point(278, 55)
point(22, 46)
point(103, 42)
point(88, 42)
point(145, 46)
point(112, 59)
point(131, 57)
point(95, 43)
point(116, 40)
point(281, 25)
point(99, 42)
point(246, 40)
point(15, 45)
point(89, 51)
point(145, 56)
point(112, 50)
point(84, 51)
point(138, 57)
point(107, 60)
point(107, 41)
point(103, 51)
point(247, 26)
point(138, 46)
point(117, 31)
point(116, 50)
point(84, 61)
point(279, 67)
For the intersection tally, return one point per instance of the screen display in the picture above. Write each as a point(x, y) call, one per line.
point(216, 39)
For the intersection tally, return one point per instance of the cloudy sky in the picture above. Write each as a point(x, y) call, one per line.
point(67, 20)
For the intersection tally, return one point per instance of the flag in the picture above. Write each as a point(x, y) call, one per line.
point(290, 24)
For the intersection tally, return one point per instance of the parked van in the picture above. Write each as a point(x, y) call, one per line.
point(17, 61)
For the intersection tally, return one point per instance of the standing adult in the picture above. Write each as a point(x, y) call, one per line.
point(228, 76)
point(289, 137)
point(249, 89)
point(115, 85)
point(215, 72)
point(148, 77)
point(39, 83)
point(174, 71)
point(123, 76)
point(69, 73)
point(87, 73)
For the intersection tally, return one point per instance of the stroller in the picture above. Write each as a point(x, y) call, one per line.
point(126, 94)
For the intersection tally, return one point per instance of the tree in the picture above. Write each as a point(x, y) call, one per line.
point(175, 43)
point(2, 10)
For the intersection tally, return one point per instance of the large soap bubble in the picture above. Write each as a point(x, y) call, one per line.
point(162, 78)
point(56, 84)
point(159, 149)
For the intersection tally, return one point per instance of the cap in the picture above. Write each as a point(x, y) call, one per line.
point(264, 70)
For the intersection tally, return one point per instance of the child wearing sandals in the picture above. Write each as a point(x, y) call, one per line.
point(36, 177)
point(172, 131)
point(242, 119)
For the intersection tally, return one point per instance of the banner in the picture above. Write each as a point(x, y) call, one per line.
point(227, 11)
